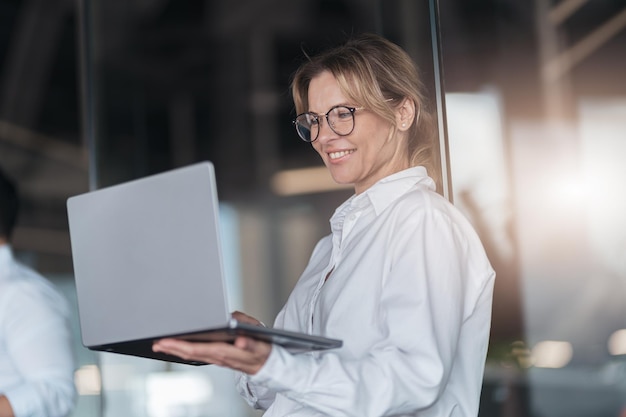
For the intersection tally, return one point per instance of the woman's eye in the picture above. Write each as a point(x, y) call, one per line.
point(344, 114)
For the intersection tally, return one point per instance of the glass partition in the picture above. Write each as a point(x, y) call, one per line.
point(166, 84)
point(42, 151)
point(535, 111)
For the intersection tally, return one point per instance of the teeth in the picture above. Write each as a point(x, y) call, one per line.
point(335, 155)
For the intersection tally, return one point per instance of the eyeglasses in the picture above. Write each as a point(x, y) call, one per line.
point(339, 118)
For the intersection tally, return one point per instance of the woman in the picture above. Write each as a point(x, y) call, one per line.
point(402, 278)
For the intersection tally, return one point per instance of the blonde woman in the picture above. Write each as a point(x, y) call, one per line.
point(402, 277)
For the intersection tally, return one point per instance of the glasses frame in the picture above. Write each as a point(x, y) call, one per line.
point(352, 110)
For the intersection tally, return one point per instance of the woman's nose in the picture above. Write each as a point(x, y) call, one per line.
point(325, 132)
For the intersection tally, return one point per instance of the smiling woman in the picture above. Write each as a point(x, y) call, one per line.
point(366, 79)
point(402, 278)
point(372, 150)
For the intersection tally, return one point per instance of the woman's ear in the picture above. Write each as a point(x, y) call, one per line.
point(405, 114)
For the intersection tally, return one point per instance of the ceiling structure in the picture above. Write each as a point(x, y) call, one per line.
point(178, 81)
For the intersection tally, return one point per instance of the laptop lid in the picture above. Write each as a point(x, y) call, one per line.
point(148, 264)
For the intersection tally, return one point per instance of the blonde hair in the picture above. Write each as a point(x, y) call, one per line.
point(371, 70)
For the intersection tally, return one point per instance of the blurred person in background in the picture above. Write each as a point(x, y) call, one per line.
point(402, 278)
point(36, 357)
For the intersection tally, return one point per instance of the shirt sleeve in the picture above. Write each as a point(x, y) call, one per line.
point(39, 343)
point(423, 304)
point(257, 396)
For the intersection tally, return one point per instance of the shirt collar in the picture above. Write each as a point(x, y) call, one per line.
point(385, 192)
point(6, 254)
point(389, 189)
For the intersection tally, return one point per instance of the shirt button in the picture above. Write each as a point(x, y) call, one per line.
point(353, 217)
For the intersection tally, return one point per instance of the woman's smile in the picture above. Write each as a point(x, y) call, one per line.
point(334, 156)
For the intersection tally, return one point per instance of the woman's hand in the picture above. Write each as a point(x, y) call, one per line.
point(245, 354)
point(244, 318)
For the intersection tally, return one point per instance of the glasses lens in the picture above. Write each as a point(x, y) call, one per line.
point(307, 126)
point(341, 120)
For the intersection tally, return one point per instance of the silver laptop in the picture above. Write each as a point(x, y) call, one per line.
point(148, 264)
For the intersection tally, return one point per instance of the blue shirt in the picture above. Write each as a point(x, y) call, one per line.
point(36, 357)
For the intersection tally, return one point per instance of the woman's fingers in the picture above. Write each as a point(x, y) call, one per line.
point(246, 355)
point(244, 318)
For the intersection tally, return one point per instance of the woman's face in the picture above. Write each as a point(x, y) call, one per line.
point(371, 152)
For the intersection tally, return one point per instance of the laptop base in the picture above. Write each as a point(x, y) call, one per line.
point(292, 341)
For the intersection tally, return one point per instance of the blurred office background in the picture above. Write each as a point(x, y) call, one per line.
point(96, 92)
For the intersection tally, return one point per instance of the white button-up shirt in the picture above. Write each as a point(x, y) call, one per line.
point(36, 358)
point(409, 291)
